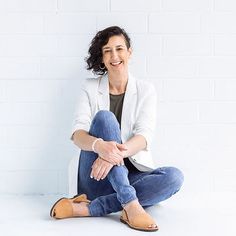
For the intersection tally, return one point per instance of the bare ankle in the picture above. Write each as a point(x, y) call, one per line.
point(80, 209)
point(131, 204)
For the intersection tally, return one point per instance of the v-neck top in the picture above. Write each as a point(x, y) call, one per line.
point(116, 105)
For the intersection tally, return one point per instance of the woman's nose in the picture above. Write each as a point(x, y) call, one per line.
point(114, 54)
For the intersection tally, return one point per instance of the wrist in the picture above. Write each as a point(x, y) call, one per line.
point(94, 144)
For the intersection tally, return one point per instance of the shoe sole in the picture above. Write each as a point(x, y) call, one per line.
point(136, 228)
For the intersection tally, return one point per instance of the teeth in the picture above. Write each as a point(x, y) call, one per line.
point(116, 63)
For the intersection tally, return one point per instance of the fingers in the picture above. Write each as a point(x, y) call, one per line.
point(100, 169)
point(118, 162)
point(110, 160)
point(114, 159)
point(105, 173)
point(95, 171)
point(112, 151)
point(121, 147)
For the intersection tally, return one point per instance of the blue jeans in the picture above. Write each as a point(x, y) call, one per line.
point(121, 186)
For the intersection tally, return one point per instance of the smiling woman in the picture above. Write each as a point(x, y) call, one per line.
point(113, 130)
point(98, 48)
point(116, 55)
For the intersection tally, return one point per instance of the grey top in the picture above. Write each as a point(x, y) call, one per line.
point(116, 105)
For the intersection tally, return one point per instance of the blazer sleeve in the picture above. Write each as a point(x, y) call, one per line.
point(83, 112)
point(146, 116)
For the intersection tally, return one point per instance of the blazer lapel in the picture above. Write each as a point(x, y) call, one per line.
point(103, 93)
point(128, 108)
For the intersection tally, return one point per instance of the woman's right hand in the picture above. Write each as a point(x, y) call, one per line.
point(109, 151)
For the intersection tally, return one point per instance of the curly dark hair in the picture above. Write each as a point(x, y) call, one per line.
point(94, 59)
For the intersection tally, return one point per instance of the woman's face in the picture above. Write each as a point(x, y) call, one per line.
point(116, 54)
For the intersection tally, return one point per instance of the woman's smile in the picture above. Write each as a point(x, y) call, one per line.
point(116, 54)
point(116, 63)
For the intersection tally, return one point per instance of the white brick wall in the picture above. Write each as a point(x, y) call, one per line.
point(186, 48)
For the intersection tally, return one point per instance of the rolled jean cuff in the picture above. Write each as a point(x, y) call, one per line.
point(93, 210)
point(129, 200)
point(96, 209)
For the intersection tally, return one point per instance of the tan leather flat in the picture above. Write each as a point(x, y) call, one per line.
point(141, 222)
point(63, 208)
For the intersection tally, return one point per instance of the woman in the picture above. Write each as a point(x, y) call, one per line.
point(113, 128)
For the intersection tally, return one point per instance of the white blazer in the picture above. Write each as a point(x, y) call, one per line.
point(138, 113)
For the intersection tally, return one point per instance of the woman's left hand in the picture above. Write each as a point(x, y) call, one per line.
point(100, 169)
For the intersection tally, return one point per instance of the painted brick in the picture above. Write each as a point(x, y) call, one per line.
point(137, 65)
point(35, 158)
point(21, 23)
point(218, 23)
point(212, 66)
point(187, 89)
point(3, 137)
point(20, 113)
point(173, 112)
point(217, 112)
point(146, 44)
point(172, 66)
point(187, 46)
point(16, 68)
point(69, 23)
point(29, 182)
point(35, 136)
point(2, 91)
point(186, 5)
point(201, 135)
point(158, 83)
point(36, 113)
point(88, 5)
point(127, 21)
point(224, 5)
point(62, 68)
point(181, 156)
point(74, 46)
point(63, 181)
point(225, 45)
point(174, 23)
point(28, 5)
point(34, 90)
point(52, 113)
point(28, 46)
point(135, 5)
point(225, 89)
point(214, 135)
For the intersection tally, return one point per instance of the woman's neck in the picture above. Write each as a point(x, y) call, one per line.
point(117, 83)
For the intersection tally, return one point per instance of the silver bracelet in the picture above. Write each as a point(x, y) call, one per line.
point(94, 142)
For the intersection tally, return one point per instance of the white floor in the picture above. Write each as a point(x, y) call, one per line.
point(183, 214)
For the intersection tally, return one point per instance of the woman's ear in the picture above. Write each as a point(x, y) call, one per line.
point(130, 52)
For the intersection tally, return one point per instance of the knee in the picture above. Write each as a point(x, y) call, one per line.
point(104, 117)
point(173, 177)
point(118, 171)
point(176, 177)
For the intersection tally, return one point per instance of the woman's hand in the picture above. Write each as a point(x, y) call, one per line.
point(100, 169)
point(111, 151)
